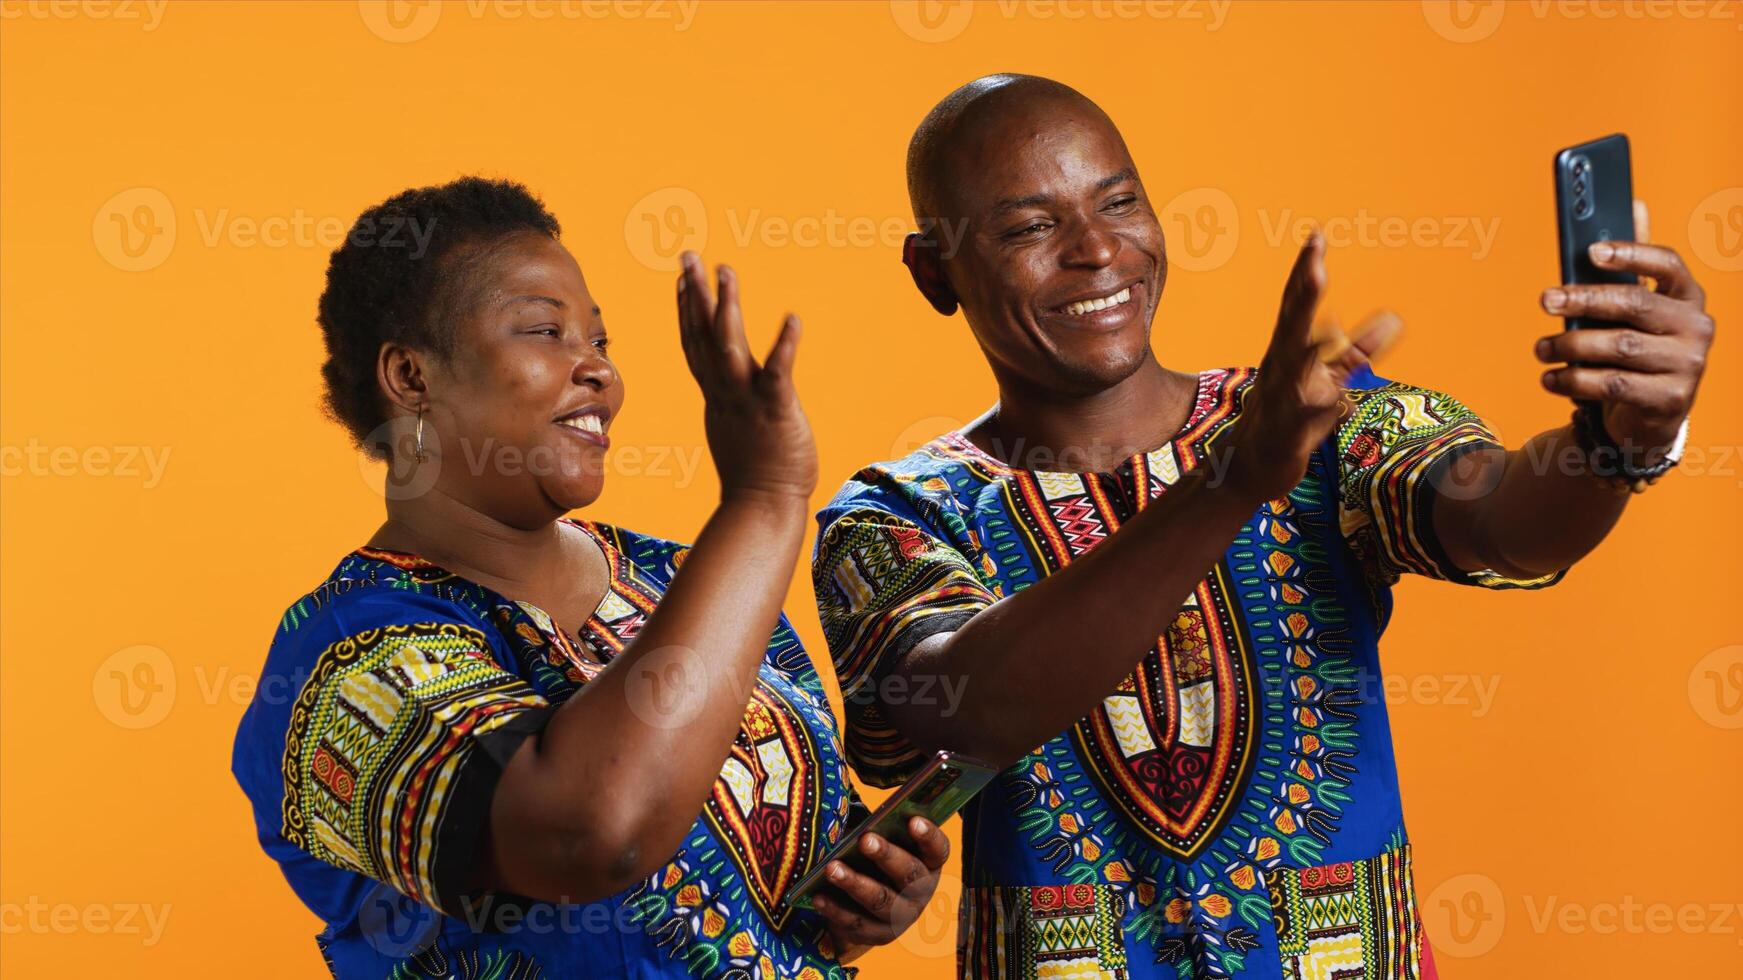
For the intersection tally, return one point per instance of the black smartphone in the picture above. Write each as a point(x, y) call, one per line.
point(1594, 202)
point(943, 786)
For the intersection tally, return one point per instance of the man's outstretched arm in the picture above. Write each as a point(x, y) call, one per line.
point(1031, 664)
point(1540, 508)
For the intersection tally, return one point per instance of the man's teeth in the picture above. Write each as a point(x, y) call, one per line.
point(586, 423)
point(1105, 302)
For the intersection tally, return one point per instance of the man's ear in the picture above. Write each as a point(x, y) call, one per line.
point(920, 255)
point(399, 371)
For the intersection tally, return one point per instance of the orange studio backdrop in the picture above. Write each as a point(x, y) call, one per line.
point(173, 176)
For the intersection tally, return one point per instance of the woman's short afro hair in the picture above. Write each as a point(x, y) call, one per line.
point(393, 281)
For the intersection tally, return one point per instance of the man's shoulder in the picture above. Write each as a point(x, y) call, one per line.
point(930, 470)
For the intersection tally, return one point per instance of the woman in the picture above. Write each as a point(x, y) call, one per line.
point(516, 744)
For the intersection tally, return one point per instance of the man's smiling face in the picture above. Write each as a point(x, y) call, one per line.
point(1063, 262)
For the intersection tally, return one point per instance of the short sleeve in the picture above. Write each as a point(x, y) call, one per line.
point(1392, 452)
point(883, 584)
point(395, 743)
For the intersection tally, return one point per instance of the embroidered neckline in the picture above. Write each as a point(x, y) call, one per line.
point(1211, 404)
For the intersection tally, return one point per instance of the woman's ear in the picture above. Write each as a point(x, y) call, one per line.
point(400, 372)
point(920, 255)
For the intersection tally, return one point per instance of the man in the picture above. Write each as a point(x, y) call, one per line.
point(1159, 594)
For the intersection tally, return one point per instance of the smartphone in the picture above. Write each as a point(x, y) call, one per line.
point(1594, 202)
point(943, 786)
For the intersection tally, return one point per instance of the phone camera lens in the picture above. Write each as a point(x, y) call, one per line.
point(1579, 185)
point(1580, 165)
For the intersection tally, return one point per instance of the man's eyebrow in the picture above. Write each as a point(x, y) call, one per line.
point(1034, 200)
point(1119, 178)
point(547, 300)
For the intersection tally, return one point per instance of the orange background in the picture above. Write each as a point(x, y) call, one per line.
point(1602, 774)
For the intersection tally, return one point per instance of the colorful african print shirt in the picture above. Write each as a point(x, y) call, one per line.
point(392, 697)
point(1231, 809)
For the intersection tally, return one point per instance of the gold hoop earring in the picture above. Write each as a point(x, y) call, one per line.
point(418, 449)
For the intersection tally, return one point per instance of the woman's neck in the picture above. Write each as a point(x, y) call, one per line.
point(467, 541)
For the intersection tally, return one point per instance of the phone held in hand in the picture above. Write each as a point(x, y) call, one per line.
point(1594, 202)
point(943, 786)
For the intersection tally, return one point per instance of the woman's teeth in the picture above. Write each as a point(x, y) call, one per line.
point(1104, 303)
point(586, 423)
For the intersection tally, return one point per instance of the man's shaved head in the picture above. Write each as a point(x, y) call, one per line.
point(963, 119)
point(1034, 222)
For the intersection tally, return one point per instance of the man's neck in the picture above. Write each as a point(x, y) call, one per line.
point(1041, 430)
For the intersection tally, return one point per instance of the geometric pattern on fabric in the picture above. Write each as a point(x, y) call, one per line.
point(376, 738)
point(376, 768)
point(1349, 920)
point(1247, 743)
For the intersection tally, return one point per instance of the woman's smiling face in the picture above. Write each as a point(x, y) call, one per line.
point(523, 402)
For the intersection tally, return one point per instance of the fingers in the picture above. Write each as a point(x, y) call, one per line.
point(875, 901)
point(1652, 394)
point(1642, 232)
point(688, 335)
point(729, 328)
point(934, 846)
point(900, 867)
point(848, 924)
point(697, 296)
point(1618, 347)
point(1620, 303)
point(1656, 261)
point(1292, 341)
point(1372, 337)
point(779, 364)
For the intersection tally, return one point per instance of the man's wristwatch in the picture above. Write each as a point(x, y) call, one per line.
point(1620, 465)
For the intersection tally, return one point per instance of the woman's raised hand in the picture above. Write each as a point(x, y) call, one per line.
point(757, 431)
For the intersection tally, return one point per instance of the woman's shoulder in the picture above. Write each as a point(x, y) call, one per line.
point(373, 589)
